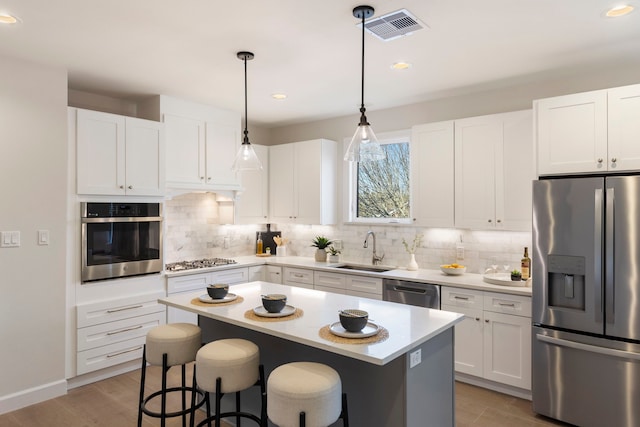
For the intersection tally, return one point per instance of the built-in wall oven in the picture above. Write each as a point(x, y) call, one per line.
point(120, 239)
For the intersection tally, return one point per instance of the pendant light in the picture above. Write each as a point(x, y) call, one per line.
point(246, 159)
point(364, 146)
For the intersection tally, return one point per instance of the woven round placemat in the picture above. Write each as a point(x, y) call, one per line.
point(249, 314)
point(196, 301)
point(325, 333)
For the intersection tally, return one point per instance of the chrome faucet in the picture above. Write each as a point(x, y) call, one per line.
point(375, 260)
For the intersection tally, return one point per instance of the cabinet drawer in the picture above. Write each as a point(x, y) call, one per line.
point(298, 275)
point(332, 280)
point(509, 304)
point(364, 295)
point(328, 289)
point(230, 277)
point(120, 330)
point(359, 284)
point(191, 282)
point(461, 297)
point(118, 309)
point(109, 355)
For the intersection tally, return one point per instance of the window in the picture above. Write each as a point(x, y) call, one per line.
point(380, 191)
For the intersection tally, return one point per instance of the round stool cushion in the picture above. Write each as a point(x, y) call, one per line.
point(235, 361)
point(180, 341)
point(312, 388)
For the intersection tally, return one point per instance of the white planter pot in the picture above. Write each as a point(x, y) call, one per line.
point(333, 259)
point(321, 255)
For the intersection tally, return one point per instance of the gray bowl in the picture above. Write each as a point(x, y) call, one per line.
point(274, 303)
point(218, 291)
point(353, 320)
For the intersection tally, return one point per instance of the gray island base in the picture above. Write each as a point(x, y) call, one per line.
point(383, 390)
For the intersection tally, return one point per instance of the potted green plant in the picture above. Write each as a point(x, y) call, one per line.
point(321, 243)
point(516, 275)
point(334, 254)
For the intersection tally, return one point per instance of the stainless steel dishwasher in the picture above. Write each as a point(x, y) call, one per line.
point(412, 293)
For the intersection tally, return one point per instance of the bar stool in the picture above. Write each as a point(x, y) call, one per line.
point(306, 394)
point(166, 346)
point(230, 366)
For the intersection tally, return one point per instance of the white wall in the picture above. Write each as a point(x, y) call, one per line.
point(33, 110)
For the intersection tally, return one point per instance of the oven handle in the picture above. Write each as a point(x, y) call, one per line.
point(590, 348)
point(122, 219)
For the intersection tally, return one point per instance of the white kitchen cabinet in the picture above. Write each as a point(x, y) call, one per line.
point(494, 169)
point(432, 174)
point(302, 182)
point(252, 206)
point(273, 274)
point(329, 282)
point(200, 281)
point(112, 332)
point(119, 155)
point(202, 142)
point(588, 132)
point(363, 286)
point(300, 277)
point(494, 340)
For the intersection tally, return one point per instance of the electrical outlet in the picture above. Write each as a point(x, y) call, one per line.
point(415, 358)
point(460, 253)
point(226, 242)
point(337, 244)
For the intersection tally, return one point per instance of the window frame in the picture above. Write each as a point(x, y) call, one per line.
point(350, 184)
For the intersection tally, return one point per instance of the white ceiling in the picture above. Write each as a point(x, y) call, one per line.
point(310, 50)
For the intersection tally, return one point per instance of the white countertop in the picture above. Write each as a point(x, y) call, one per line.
point(408, 326)
point(467, 280)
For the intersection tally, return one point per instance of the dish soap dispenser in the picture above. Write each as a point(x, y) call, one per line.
point(259, 244)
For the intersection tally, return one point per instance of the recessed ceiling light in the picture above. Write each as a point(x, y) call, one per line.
point(621, 10)
point(279, 96)
point(401, 66)
point(7, 18)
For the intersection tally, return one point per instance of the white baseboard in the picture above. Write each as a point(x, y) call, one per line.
point(491, 385)
point(21, 399)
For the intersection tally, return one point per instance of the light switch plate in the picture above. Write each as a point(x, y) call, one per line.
point(10, 239)
point(415, 358)
point(43, 237)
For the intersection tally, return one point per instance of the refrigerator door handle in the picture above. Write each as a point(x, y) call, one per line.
point(609, 256)
point(597, 240)
point(590, 348)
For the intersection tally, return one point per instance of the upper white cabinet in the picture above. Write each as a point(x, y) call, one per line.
point(117, 155)
point(494, 169)
point(302, 182)
point(252, 207)
point(432, 176)
point(202, 142)
point(589, 132)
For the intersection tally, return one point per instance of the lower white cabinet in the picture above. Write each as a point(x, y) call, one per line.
point(300, 277)
point(114, 331)
point(266, 273)
point(193, 282)
point(349, 284)
point(494, 339)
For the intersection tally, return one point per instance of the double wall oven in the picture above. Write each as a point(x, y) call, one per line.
point(120, 240)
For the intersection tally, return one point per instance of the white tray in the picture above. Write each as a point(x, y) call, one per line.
point(504, 279)
point(369, 330)
point(206, 298)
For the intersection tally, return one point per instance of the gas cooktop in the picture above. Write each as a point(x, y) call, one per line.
point(198, 263)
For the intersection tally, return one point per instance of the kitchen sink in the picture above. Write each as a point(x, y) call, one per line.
point(369, 268)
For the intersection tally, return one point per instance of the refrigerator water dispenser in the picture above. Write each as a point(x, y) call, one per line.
point(566, 281)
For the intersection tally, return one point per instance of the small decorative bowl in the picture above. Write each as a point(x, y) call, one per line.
point(218, 291)
point(453, 270)
point(274, 303)
point(353, 320)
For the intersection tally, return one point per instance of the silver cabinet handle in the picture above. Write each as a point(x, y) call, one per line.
point(486, 320)
point(130, 187)
point(477, 319)
point(489, 220)
point(462, 298)
point(505, 304)
point(499, 221)
point(122, 187)
point(600, 160)
point(202, 177)
point(124, 352)
point(124, 330)
point(125, 308)
point(208, 178)
point(614, 160)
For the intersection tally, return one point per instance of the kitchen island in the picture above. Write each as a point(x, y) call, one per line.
point(405, 379)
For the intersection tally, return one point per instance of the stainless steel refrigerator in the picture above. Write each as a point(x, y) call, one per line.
point(586, 300)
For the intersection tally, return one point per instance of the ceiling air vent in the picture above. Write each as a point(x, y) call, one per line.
point(393, 25)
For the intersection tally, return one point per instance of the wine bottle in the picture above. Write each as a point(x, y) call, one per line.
point(525, 265)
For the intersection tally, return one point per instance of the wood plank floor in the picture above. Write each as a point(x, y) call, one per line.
point(113, 402)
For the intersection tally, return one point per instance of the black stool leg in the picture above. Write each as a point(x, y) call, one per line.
point(184, 396)
point(163, 407)
point(238, 409)
point(345, 412)
point(142, 379)
point(302, 419)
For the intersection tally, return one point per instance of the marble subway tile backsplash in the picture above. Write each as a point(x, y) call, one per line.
point(192, 231)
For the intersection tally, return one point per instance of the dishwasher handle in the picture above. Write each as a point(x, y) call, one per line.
point(419, 291)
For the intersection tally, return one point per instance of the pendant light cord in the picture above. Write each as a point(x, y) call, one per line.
point(246, 132)
point(362, 71)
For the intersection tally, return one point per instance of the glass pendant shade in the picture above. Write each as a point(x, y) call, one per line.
point(246, 159)
point(364, 146)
